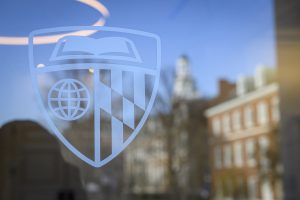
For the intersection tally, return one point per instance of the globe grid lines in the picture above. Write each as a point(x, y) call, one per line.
point(69, 98)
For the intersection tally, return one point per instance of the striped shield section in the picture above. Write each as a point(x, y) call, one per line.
point(121, 102)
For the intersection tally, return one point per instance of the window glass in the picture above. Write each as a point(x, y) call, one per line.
point(216, 126)
point(248, 116)
point(262, 113)
point(252, 183)
point(227, 156)
point(236, 120)
point(263, 151)
point(250, 152)
point(238, 154)
point(226, 123)
point(218, 157)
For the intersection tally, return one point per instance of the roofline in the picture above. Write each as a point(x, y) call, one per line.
point(266, 90)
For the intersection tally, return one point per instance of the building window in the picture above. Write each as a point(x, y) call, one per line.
point(216, 126)
point(238, 154)
point(275, 109)
point(248, 117)
point(227, 156)
point(226, 123)
point(219, 189)
point(241, 187)
point(218, 157)
point(264, 147)
point(228, 188)
point(262, 113)
point(250, 152)
point(266, 189)
point(236, 120)
point(252, 190)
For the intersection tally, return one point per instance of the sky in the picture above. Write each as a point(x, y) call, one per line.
point(223, 39)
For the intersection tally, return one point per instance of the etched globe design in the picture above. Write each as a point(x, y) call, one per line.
point(68, 99)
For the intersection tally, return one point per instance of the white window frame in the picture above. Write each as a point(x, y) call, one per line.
point(236, 118)
point(238, 154)
point(226, 123)
point(250, 152)
point(218, 157)
point(262, 113)
point(227, 155)
point(216, 126)
point(248, 116)
point(264, 144)
point(252, 187)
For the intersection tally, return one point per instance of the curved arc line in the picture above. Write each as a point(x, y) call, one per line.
point(9, 40)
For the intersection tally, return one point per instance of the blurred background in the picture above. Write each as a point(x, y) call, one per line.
point(225, 123)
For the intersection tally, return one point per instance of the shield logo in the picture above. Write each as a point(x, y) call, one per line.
point(96, 86)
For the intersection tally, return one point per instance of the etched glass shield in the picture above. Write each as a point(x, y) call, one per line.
point(95, 91)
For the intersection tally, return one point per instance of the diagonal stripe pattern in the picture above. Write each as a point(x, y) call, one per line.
point(122, 96)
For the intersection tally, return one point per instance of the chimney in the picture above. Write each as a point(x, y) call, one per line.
point(225, 88)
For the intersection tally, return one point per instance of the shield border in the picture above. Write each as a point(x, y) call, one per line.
point(59, 135)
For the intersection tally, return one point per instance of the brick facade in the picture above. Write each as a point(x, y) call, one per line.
point(243, 146)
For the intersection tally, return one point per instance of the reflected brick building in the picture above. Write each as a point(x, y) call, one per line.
point(244, 140)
